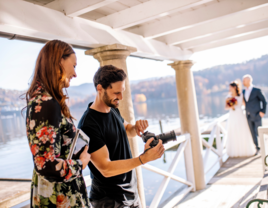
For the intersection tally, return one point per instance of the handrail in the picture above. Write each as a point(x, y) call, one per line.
point(213, 123)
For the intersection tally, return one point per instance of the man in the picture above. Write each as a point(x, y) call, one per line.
point(114, 182)
point(254, 112)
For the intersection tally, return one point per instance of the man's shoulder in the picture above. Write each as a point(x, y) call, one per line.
point(87, 119)
point(256, 88)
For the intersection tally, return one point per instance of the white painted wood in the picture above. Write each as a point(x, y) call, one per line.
point(189, 166)
point(26, 19)
point(210, 142)
point(224, 131)
point(207, 145)
point(147, 11)
point(75, 8)
point(219, 144)
point(163, 185)
point(194, 18)
point(185, 146)
point(215, 26)
point(178, 198)
point(234, 39)
point(180, 139)
point(166, 174)
point(213, 123)
point(224, 34)
point(263, 130)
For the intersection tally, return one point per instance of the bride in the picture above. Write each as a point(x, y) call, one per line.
point(239, 139)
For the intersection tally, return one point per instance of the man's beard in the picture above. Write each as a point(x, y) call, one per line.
point(108, 101)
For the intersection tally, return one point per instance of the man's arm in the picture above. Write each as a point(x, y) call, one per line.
point(263, 100)
point(108, 168)
point(137, 129)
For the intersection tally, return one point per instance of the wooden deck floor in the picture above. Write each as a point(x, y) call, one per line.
point(233, 186)
point(13, 192)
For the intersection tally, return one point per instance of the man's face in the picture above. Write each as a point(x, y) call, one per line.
point(246, 82)
point(112, 95)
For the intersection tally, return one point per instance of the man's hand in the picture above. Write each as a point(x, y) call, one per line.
point(261, 114)
point(153, 153)
point(140, 126)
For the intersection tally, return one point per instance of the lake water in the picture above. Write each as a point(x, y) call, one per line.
point(16, 159)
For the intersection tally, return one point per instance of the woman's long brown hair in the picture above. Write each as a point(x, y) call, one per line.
point(50, 73)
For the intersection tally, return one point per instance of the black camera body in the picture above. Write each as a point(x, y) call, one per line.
point(165, 137)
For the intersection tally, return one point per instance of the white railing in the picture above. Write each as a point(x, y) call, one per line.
point(263, 142)
point(218, 132)
point(184, 147)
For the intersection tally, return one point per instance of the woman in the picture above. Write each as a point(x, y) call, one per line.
point(56, 182)
point(239, 140)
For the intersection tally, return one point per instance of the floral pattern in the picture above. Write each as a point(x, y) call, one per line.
point(56, 182)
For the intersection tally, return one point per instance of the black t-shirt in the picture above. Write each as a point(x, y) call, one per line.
point(108, 129)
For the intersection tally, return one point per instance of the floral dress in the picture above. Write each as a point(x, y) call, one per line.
point(56, 182)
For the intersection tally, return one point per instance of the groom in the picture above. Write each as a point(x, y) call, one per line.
point(254, 112)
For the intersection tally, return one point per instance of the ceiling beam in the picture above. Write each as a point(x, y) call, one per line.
point(76, 8)
point(147, 11)
point(38, 22)
point(215, 26)
point(193, 18)
point(225, 34)
point(231, 40)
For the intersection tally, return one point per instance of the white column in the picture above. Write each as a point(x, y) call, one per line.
point(188, 111)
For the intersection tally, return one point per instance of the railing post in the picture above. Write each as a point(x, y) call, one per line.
point(219, 144)
point(263, 130)
point(188, 159)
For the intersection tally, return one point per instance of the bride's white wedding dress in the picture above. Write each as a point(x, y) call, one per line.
point(239, 139)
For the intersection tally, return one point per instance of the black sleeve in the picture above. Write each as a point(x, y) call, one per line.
point(94, 133)
point(263, 100)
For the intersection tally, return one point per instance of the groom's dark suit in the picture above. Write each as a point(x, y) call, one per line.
point(253, 109)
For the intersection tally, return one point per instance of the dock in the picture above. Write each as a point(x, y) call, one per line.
point(233, 186)
point(14, 191)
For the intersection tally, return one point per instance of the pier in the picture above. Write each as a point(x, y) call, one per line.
point(234, 185)
point(167, 30)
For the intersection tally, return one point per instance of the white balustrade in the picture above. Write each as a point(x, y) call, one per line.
point(263, 142)
point(219, 133)
point(184, 148)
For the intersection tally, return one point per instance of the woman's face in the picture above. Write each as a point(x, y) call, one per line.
point(232, 89)
point(69, 65)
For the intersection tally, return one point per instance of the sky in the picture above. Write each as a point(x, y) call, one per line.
point(18, 58)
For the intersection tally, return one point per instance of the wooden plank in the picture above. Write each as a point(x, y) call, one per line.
point(234, 185)
point(13, 192)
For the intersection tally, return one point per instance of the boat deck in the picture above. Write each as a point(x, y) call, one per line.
point(236, 183)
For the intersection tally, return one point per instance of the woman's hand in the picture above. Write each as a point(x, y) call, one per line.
point(85, 157)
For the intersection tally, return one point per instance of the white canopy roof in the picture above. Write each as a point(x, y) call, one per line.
point(159, 29)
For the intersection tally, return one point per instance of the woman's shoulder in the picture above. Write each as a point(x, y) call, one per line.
point(44, 101)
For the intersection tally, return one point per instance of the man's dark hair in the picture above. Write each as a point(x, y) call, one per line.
point(106, 75)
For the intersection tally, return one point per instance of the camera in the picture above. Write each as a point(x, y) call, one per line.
point(165, 137)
